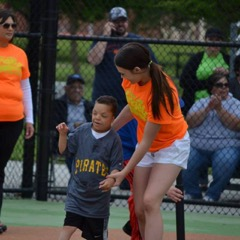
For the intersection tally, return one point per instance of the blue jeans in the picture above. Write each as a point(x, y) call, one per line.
point(223, 162)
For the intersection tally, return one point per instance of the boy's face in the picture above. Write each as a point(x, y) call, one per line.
point(102, 117)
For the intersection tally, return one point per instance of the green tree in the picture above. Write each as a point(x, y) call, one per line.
point(219, 13)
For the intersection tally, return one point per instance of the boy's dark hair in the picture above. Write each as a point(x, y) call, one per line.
point(110, 101)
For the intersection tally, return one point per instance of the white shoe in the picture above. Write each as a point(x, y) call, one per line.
point(208, 199)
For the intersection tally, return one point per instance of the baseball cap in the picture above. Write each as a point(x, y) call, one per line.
point(117, 12)
point(74, 78)
point(214, 32)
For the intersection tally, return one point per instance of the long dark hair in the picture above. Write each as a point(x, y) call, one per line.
point(133, 55)
point(5, 14)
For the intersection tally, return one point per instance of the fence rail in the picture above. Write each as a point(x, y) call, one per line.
point(33, 173)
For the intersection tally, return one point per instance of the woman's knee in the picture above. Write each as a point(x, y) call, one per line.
point(151, 204)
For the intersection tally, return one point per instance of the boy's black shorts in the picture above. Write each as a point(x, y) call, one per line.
point(92, 228)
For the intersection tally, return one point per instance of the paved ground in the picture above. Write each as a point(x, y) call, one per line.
point(51, 233)
point(38, 220)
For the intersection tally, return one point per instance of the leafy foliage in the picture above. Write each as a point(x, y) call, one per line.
point(219, 13)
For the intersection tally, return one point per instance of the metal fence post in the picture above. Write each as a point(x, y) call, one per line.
point(47, 86)
point(33, 59)
point(180, 221)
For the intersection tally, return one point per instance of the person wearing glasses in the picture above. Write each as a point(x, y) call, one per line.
point(214, 128)
point(200, 66)
point(15, 95)
point(71, 108)
point(197, 70)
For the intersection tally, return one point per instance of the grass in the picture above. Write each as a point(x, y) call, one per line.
point(15, 213)
point(18, 149)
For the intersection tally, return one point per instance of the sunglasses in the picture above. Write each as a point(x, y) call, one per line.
point(8, 25)
point(221, 85)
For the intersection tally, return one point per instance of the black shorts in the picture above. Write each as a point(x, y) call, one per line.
point(92, 228)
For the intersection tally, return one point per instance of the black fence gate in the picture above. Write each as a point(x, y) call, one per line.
point(57, 46)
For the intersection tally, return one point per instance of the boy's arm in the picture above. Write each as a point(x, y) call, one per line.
point(107, 183)
point(62, 141)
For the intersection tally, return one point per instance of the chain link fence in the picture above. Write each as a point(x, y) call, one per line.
point(173, 34)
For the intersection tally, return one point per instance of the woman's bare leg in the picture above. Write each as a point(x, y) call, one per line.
point(141, 175)
point(160, 180)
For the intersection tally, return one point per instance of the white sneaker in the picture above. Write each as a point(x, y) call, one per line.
point(208, 199)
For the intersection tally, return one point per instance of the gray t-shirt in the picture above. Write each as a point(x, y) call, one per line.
point(212, 134)
point(94, 159)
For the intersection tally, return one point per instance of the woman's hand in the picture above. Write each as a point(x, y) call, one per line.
point(215, 102)
point(119, 176)
point(221, 70)
point(29, 130)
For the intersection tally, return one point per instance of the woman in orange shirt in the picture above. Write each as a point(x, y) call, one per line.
point(15, 95)
point(163, 141)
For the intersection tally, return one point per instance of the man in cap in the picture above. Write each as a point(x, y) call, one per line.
point(71, 108)
point(108, 81)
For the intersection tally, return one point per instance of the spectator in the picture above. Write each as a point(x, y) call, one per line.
point(214, 132)
point(200, 66)
point(15, 95)
point(97, 152)
point(108, 81)
point(71, 108)
point(235, 83)
point(194, 77)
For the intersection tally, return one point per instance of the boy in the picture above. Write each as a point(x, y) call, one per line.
point(97, 152)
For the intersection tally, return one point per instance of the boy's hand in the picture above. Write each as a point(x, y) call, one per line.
point(175, 194)
point(106, 184)
point(62, 128)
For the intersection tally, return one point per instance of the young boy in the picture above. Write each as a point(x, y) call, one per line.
point(97, 153)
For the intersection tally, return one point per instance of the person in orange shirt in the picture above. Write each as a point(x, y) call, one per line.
point(163, 141)
point(15, 95)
